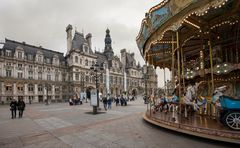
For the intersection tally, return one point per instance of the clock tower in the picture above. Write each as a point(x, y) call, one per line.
point(108, 51)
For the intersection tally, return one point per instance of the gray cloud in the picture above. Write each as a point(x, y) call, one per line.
point(43, 22)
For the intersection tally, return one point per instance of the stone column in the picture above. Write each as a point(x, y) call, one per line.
point(44, 93)
point(60, 95)
point(53, 93)
point(14, 91)
point(2, 88)
point(25, 91)
point(2, 92)
point(35, 93)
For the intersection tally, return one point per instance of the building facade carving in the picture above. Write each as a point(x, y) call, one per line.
point(35, 73)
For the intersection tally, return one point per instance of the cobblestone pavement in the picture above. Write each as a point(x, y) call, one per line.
point(62, 126)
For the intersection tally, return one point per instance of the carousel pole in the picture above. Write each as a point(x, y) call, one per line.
point(164, 74)
point(179, 71)
point(183, 78)
point(211, 65)
point(173, 53)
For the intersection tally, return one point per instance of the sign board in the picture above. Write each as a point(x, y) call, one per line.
point(94, 101)
point(83, 95)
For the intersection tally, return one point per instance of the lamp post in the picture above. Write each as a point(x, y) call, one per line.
point(96, 72)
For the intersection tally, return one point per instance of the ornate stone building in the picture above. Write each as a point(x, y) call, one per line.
point(35, 73)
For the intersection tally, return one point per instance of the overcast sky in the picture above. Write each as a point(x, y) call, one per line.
point(43, 22)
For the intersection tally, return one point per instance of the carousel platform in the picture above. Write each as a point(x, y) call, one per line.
point(196, 125)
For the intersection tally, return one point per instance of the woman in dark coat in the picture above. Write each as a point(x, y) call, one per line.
point(13, 108)
point(21, 107)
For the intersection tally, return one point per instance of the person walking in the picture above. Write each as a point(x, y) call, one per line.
point(13, 108)
point(21, 107)
point(109, 101)
point(117, 100)
point(105, 102)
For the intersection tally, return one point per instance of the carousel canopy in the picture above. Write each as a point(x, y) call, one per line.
point(189, 25)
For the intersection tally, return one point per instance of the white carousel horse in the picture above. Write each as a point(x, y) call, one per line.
point(217, 93)
point(191, 98)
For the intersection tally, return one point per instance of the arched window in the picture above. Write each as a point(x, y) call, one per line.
point(86, 62)
point(76, 59)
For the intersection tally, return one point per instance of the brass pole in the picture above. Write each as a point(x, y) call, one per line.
point(179, 70)
point(183, 79)
point(211, 64)
point(164, 74)
point(173, 58)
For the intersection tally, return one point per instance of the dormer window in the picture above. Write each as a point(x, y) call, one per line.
point(20, 55)
point(8, 53)
point(30, 57)
point(86, 49)
point(56, 61)
point(48, 61)
point(76, 59)
point(39, 58)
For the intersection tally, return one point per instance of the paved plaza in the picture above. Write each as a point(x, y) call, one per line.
point(62, 126)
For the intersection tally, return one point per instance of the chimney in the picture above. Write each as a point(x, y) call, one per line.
point(69, 37)
point(89, 40)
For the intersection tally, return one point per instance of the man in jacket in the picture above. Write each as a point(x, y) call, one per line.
point(21, 107)
point(13, 108)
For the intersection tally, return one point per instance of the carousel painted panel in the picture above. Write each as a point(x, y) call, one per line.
point(160, 16)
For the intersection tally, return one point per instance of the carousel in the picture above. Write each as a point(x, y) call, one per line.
point(199, 42)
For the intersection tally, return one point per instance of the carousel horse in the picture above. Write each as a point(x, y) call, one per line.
point(191, 98)
point(216, 95)
point(166, 104)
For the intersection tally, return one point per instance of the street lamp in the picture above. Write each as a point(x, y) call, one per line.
point(96, 72)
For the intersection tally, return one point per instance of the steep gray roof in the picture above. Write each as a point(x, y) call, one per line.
point(129, 61)
point(78, 42)
point(100, 57)
point(30, 49)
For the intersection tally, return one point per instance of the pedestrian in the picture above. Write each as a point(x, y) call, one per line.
point(121, 100)
point(70, 102)
point(117, 100)
point(13, 108)
point(109, 101)
point(105, 102)
point(21, 107)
